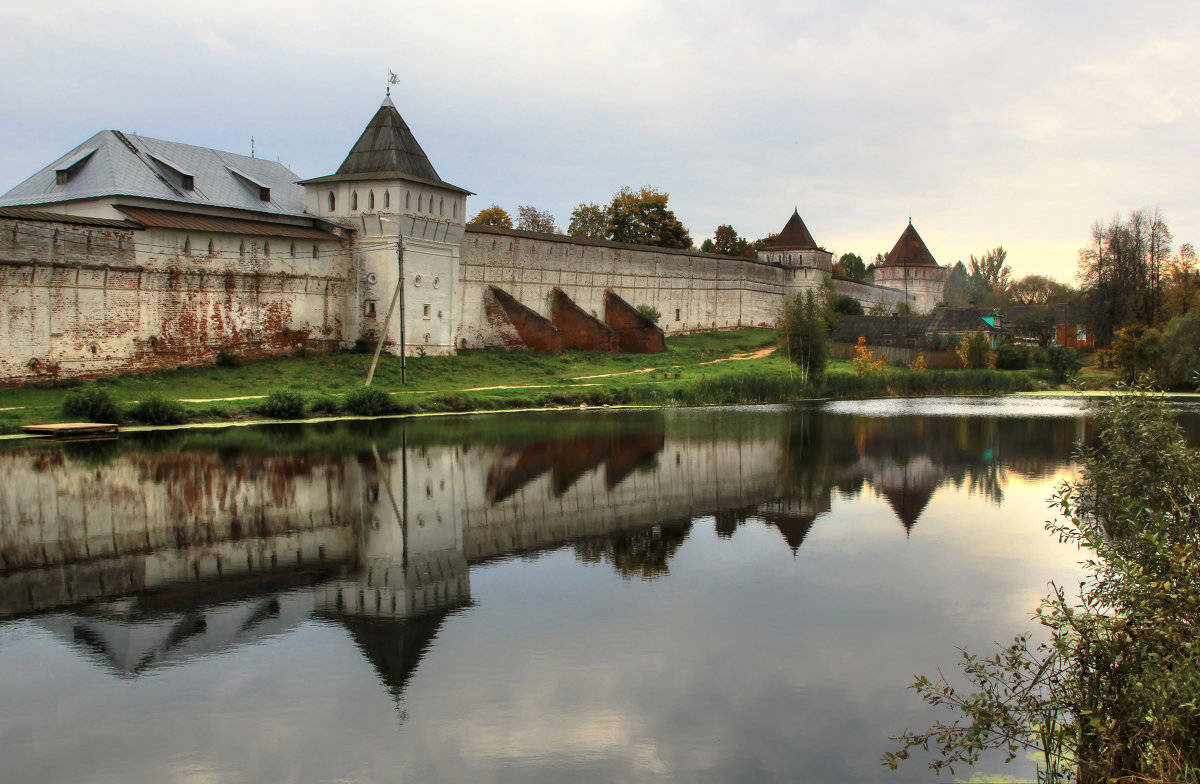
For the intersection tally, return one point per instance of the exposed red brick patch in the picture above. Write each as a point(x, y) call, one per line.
point(579, 328)
point(534, 331)
point(635, 333)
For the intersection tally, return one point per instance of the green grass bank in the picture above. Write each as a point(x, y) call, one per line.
point(714, 368)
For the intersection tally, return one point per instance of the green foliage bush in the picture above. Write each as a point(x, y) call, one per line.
point(324, 405)
point(283, 404)
point(92, 404)
point(847, 306)
point(228, 358)
point(369, 401)
point(1114, 694)
point(650, 313)
point(155, 409)
point(1062, 362)
point(450, 401)
point(1180, 362)
point(1012, 356)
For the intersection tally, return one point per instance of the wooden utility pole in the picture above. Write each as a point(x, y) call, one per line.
point(397, 296)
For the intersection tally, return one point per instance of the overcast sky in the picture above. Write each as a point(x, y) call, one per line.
point(1015, 123)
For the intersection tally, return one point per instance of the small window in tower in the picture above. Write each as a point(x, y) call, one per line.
point(292, 250)
point(456, 208)
point(242, 249)
point(407, 200)
point(314, 251)
point(370, 309)
point(387, 200)
point(210, 247)
point(267, 249)
point(427, 490)
point(15, 233)
point(426, 311)
point(187, 246)
point(332, 201)
point(441, 207)
point(89, 242)
point(354, 200)
point(371, 200)
point(420, 203)
point(677, 314)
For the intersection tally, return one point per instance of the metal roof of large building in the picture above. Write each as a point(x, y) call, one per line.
point(113, 163)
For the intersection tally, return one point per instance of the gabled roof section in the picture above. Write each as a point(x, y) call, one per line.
point(950, 320)
point(794, 236)
point(125, 164)
point(910, 251)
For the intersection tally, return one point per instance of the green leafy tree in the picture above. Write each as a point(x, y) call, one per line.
point(988, 278)
point(848, 306)
point(1063, 362)
point(643, 218)
point(1180, 360)
point(727, 242)
point(802, 334)
point(851, 265)
point(1183, 295)
point(1039, 290)
point(1112, 695)
point(589, 221)
point(708, 246)
point(532, 219)
point(1135, 351)
point(1122, 272)
point(954, 292)
point(494, 215)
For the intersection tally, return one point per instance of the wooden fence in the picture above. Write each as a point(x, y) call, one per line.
point(900, 356)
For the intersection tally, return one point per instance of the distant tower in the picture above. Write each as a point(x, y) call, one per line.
point(794, 247)
point(797, 252)
point(911, 268)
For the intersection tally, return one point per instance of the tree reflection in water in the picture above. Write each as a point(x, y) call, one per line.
point(641, 553)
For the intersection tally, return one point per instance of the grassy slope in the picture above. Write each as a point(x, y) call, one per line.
point(530, 378)
point(335, 374)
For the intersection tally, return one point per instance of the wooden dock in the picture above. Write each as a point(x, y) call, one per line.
point(64, 431)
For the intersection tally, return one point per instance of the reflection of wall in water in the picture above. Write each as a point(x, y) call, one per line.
point(504, 500)
point(74, 532)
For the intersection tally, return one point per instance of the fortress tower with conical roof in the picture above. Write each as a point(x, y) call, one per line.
point(911, 268)
point(389, 192)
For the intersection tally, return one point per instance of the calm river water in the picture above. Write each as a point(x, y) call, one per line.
point(700, 595)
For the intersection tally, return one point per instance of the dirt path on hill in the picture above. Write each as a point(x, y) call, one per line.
point(736, 357)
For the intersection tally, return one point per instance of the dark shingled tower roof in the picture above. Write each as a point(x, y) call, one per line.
point(387, 145)
point(910, 251)
point(387, 149)
point(794, 236)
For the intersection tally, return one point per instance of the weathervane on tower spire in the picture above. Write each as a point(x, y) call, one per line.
point(392, 79)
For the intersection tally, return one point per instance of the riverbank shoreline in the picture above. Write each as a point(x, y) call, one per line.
point(1088, 395)
point(740, 367)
